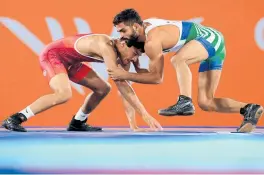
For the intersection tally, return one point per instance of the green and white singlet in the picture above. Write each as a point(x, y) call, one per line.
point(211, 39)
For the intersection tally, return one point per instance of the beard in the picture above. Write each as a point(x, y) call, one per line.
point(133, 41)
point(140, 46)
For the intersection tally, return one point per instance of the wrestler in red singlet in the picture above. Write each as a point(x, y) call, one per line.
point(61, 61)
point(62, 56)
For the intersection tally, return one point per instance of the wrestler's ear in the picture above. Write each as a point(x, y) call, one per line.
point(136, 26)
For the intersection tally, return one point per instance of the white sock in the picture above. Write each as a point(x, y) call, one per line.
point(27, 112)
point(80, 115)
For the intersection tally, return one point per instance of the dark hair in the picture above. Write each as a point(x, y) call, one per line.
point(128, 16)
point(137, 45)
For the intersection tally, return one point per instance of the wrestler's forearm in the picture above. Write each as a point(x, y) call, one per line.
point(130, 113)
point(131, 97)
point(144, 78)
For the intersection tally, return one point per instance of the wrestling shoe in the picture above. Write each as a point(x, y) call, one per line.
point(13, 123)
point(251, 113)
point(184, 106)
point(77, 125)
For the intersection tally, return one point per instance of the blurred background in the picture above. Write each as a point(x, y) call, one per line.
point(28, 25)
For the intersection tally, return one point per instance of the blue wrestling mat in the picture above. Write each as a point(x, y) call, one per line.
point(119, 151)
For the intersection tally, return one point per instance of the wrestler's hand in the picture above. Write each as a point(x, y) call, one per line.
point(152, 122)
point(137, 129)
point(118, 73)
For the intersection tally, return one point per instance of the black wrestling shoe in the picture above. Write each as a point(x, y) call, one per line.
point(251, 113)
point(77, 125)
point(13, 123)
point(184, 107)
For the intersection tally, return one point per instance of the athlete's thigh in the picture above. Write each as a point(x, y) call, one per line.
point(192, 52)
point(60, 83)
point(54, 70)
point(84, 75)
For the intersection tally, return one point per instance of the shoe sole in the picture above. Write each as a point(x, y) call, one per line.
point(72, 129)
point(10, 129)
point(248, 127)
point(5, 126)
point(83, 131)
point(188, 113)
